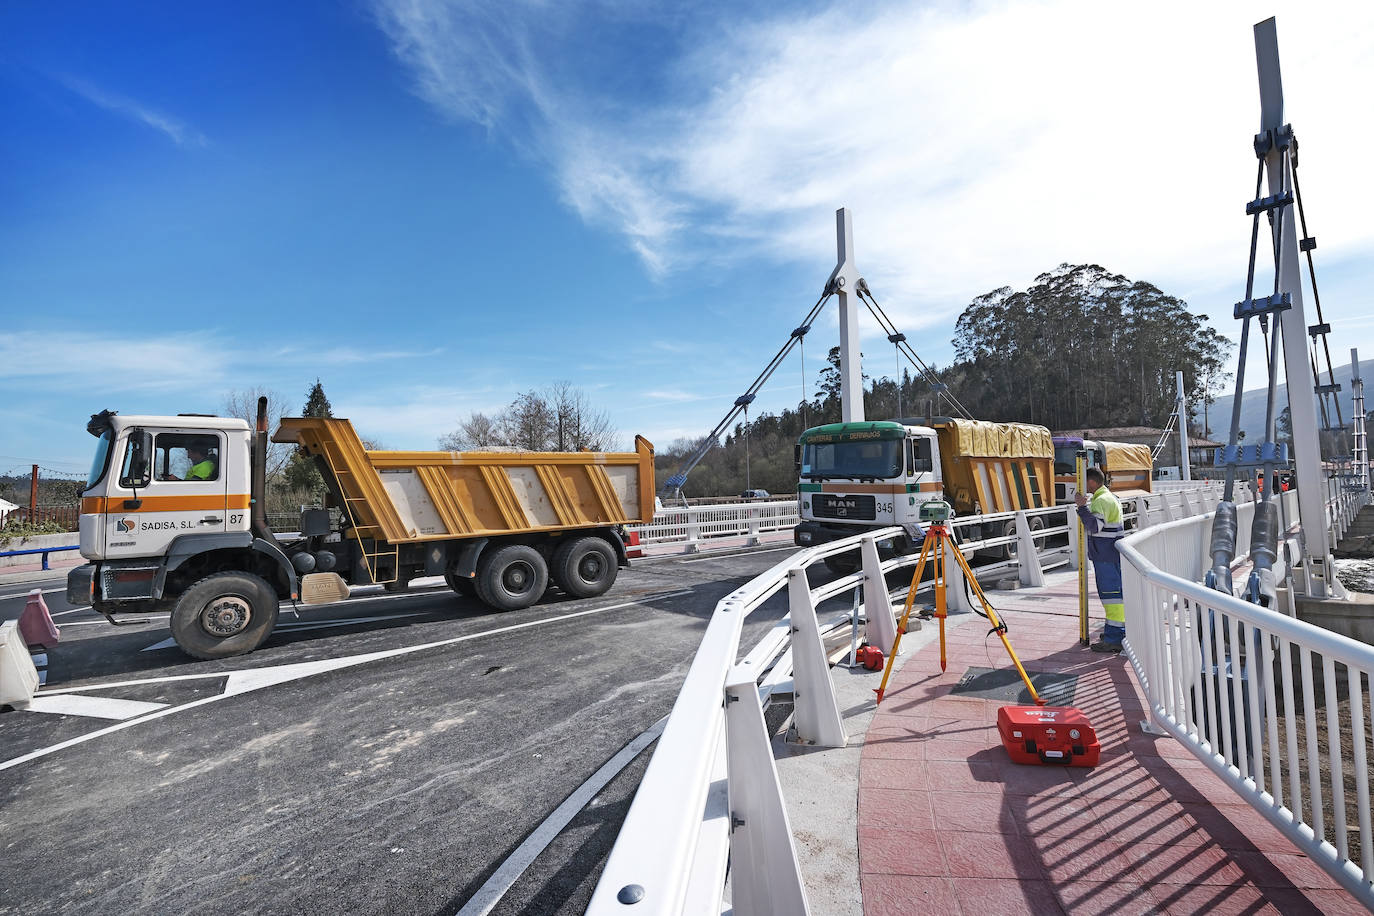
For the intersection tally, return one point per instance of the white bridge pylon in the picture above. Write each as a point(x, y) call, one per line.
point(845, 281)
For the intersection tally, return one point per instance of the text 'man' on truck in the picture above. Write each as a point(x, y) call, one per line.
point(173, 520)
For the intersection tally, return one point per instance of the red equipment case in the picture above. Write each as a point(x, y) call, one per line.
point(1048, 735)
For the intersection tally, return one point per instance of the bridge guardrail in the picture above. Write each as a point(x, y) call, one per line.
point(710, 795)
point(1219, 675)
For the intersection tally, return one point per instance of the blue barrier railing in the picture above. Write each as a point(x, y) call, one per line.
point(43, 550)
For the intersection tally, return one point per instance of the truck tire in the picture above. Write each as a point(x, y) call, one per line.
point(512, 577)
point(229, 613)
point(1036, 524)
point(462, 585)
point(585, 567)
point(842, 564)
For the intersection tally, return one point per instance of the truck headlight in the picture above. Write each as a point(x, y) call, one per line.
point(804, 537)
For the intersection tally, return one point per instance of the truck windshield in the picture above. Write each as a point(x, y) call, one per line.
point(101, 460)
point(881, 459)
point(1066, 459)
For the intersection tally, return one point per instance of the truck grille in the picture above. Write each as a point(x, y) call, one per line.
point(829, 505)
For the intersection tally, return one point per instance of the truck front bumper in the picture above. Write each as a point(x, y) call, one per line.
point(810, 533)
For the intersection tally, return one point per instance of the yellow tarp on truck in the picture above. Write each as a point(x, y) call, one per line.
point(995, 467)
point(1130, 466)
point(984, 439)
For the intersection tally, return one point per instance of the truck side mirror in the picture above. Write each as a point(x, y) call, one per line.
point(136, 460)
point(796, 456)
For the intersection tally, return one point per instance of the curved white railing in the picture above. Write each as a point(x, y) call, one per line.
point(710, 795)
point(1274, 706)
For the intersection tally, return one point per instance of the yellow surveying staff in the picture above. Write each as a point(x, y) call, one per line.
point(1102, 519)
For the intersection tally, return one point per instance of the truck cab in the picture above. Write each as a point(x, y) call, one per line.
point(855, 477)
point(146, 491)
point(1066, 449)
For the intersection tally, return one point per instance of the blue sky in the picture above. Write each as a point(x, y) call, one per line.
point(432, 206)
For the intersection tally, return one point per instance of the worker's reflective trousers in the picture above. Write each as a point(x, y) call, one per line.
point(1108, 576)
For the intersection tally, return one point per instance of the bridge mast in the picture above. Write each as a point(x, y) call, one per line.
point(1318, 565)
point(845, 281)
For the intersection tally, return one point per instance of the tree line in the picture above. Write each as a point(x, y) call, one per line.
point(1080, 348)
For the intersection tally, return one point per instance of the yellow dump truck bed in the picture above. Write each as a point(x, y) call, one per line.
point(1131, 466)
point(995, 467)
point(426, 496)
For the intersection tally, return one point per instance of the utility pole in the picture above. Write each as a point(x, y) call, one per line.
point(845, 280)
point(33, 496)
point(1181, 413)
point(1318, 565)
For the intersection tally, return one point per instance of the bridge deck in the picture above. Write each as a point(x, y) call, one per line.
point(948, 824)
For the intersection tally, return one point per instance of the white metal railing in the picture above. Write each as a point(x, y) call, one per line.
point(695, 524)
point(710, 795)
point(1273, 705)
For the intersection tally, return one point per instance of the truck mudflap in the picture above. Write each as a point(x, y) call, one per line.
point(81, 585)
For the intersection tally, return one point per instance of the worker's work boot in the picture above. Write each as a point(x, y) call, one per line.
point(1103, 646)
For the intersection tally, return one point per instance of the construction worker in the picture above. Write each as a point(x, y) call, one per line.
point(1102, 520)
point(202, 465)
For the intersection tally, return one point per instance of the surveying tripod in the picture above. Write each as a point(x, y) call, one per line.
point(936, 548)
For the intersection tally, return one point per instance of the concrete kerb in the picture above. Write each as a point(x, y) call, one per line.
point(821, 785)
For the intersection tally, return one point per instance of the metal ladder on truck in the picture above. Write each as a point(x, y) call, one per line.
point(347, 487)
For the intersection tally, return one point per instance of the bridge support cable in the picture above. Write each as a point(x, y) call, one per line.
point(898, 340)
point(673, 485)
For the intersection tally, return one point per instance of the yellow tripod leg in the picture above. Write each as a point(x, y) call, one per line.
point(997, 624)
point(906, 615)
point(941, 603)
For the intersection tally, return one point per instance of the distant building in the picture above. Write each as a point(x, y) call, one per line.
point(1201, 451)
point(6, 507)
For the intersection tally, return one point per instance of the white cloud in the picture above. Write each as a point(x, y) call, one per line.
point(180, 133)
point(977, 144)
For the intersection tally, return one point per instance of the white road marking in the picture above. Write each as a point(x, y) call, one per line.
point(244, 681)
point(311, 625)
point(94, 707)
point(501, 881)
point(46, 591)
point(75, 610)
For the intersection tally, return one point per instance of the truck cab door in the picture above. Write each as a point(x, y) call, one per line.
point(171, 483)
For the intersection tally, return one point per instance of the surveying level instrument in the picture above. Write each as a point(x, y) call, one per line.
point(937, 547)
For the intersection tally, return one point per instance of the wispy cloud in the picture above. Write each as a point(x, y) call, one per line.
point(978, 144)
point(177, 131)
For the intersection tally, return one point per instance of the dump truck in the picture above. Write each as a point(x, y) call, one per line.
point(173, 520)
point(1129, 467)
point(855, 477)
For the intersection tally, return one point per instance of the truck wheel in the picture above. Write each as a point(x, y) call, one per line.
point(226, 614)
point(1036, 524)
point(512, 578)
point(585, 567)
point(461, 584)
point(841, 565)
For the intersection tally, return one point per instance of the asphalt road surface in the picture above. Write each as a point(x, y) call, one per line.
point(382, 755)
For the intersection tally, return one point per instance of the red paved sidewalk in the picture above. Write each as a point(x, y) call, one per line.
point(948, 824)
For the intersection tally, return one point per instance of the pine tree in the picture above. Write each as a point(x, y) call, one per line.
point(301, 473)
point(316, 403)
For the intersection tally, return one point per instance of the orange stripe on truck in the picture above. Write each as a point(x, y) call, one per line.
point(95, 505)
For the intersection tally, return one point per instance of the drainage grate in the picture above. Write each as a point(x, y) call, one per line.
point(1005, 684)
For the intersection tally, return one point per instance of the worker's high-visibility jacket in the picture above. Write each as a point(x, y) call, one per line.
point(1102, 520)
